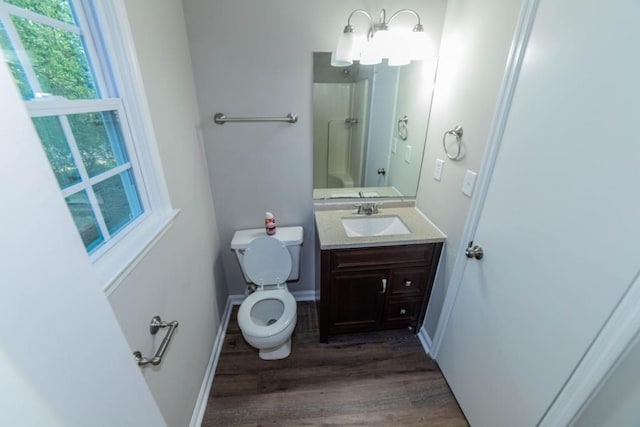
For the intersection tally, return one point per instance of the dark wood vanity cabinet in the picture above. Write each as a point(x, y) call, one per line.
point(373, 288)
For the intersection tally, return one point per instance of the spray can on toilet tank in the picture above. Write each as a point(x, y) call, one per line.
point(269, 223)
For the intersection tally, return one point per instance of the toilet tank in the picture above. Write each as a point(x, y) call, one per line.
point(290, 236)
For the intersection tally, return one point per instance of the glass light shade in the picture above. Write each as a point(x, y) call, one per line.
point(369, 55)
point(400, 51)
point(345, 49)
point(420, 46)
point(397, 60)
point(382, 43)
point(336, 63)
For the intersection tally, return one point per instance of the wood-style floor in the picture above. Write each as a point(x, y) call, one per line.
point(381, 378)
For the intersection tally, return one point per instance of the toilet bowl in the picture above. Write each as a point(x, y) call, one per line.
point(267, 320)
point(267, 317)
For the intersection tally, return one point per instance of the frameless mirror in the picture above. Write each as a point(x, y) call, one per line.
point(369, 127)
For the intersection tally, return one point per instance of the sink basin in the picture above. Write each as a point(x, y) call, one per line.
point(374, 226)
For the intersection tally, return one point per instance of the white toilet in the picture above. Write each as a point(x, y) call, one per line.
point(267, 317)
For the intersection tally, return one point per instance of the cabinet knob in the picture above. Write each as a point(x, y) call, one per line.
point(403, 311)
point(407, 283)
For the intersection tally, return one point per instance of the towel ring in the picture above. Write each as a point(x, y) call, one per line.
point(457, 132)
point(402, 128)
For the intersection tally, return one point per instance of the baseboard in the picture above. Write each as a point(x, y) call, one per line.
point(425, 340)
point(201, 403)
point(306, 295)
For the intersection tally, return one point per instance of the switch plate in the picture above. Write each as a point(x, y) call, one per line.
point(407, 154)
point(469, 182)
point(394, 145)
point(437, 171)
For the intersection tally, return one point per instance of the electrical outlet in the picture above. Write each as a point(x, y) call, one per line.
point(469, 182)
point(437, 171)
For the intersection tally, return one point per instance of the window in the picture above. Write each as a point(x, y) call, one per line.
point(69, 61)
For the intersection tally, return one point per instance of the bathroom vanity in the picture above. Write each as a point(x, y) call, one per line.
point(375, 281)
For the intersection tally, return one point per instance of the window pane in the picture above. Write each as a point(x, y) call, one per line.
point(57, 149)
point(99, 140)
point(58, 59)
point(118, 199)
point(85, 220)
point(14, 64)
point(56, 9)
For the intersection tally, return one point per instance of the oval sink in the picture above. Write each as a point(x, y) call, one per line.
point(374, 226)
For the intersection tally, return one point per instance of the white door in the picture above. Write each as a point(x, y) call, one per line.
point(384, 92)
point(559, 226)
point(63, 358)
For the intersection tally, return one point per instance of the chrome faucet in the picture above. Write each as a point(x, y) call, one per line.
point(367, 208)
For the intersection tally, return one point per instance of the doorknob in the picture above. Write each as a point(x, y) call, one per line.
point(474, 251)
point(382, 172)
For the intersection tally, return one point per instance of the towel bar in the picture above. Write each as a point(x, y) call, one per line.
point(220, 118)
point(156, 324)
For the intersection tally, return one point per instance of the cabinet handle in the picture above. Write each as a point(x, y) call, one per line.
point(384, 286)
point(407, 283)
point(403, 311)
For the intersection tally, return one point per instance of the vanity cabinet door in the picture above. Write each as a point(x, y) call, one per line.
point(357, 300)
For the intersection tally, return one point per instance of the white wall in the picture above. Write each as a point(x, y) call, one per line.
point(254, 58)
point(63, 359)
point(475, 43)
point(181, 278)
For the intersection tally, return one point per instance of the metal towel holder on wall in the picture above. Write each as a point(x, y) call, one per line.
point(220, 119)
point(156, 324)
point(403, 130)
point(457, 132)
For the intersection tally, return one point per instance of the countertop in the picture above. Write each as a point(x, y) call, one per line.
point(331, 234)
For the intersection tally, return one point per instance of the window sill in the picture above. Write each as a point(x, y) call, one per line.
point(115, 265)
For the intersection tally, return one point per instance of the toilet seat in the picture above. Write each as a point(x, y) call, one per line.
point(267, 261)
point(248, 326)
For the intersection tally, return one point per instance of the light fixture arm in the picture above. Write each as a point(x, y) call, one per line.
point(349, 28)
point(410, 11)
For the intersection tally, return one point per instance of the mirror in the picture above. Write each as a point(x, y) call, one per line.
point(369, 127)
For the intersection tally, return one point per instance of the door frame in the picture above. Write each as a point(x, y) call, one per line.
point(622, 328)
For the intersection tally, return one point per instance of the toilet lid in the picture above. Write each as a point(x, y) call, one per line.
point(267, 261)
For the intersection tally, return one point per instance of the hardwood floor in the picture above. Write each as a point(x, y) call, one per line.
point(380, 378)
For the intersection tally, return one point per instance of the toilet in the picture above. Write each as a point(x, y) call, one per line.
point(267, 317)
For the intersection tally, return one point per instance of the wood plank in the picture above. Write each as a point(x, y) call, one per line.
point(379, 378)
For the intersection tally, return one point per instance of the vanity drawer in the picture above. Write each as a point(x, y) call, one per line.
point(385, 256)
point(409, 281)
point(402, 310)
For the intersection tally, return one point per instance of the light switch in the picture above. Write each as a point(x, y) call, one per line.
point(407, 154)
point(469, 182)
point(394, 145)
point(437, 171)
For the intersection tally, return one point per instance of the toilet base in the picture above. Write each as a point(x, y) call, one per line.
point(276, 353)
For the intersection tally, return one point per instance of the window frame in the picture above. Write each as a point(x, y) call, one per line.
point(110, 49)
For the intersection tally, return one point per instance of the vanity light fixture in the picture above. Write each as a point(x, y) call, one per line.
point(398, 46)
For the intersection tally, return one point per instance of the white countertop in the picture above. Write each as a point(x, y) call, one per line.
point(331, 233)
